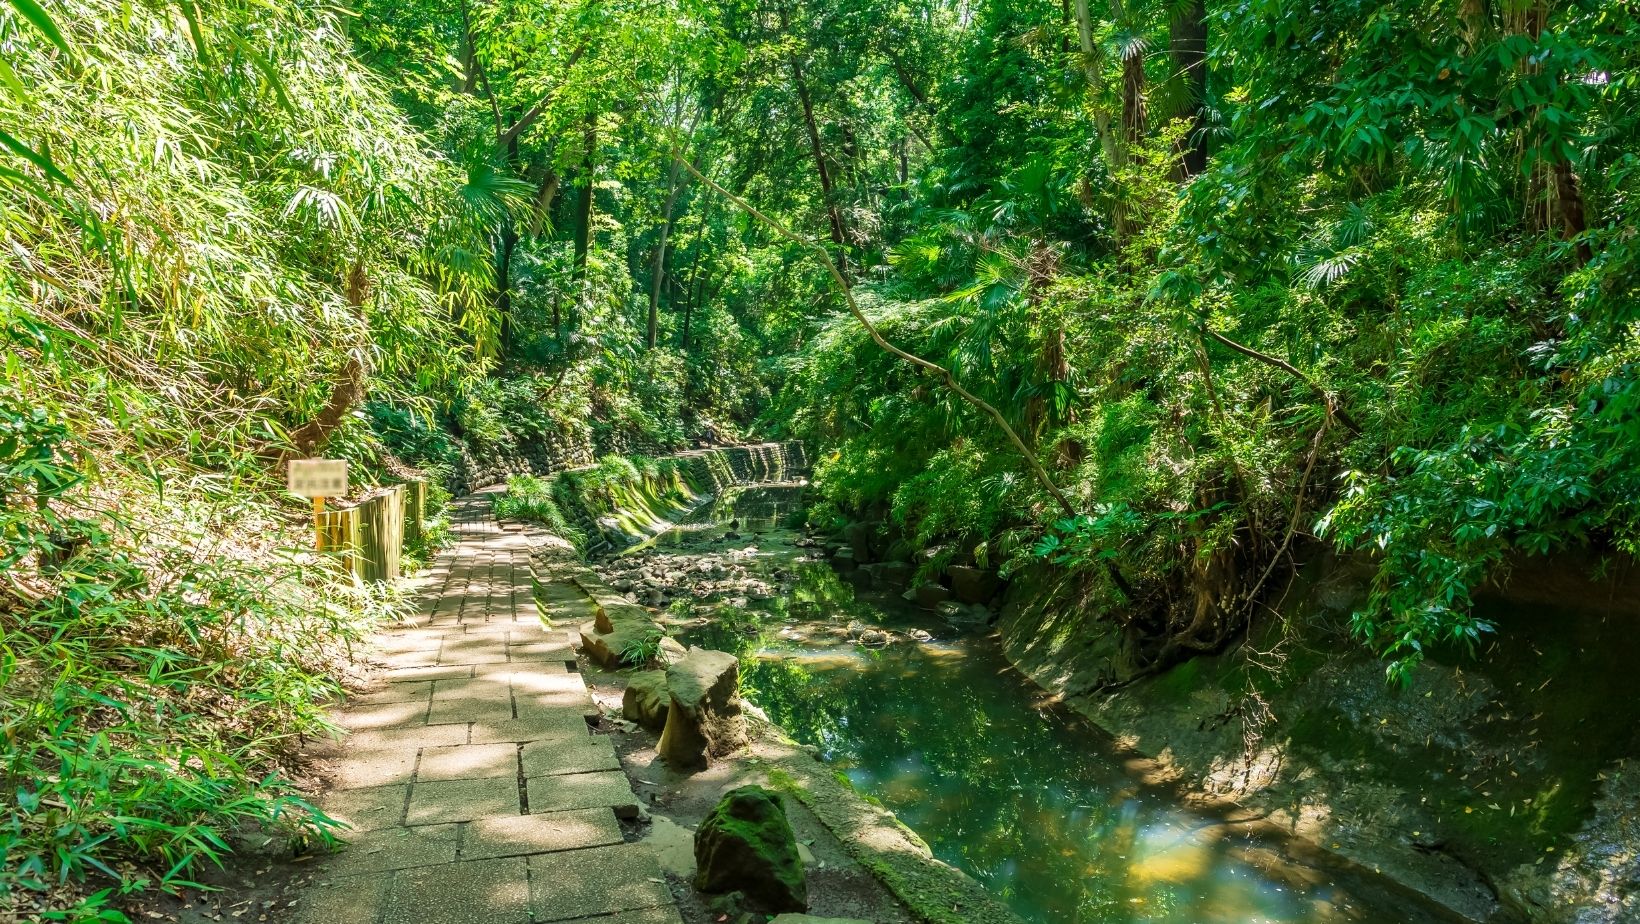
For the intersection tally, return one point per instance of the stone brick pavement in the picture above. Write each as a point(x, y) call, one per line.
point(475, 787)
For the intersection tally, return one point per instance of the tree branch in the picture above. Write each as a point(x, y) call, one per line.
point(1040, 473)
point(1330, 401)
point(528, 118)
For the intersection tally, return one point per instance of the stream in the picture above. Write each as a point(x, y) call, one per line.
point(932, 721)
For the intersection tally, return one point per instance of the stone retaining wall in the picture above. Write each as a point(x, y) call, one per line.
point(631, 514)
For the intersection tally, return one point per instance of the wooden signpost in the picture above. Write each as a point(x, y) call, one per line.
point(318, 479)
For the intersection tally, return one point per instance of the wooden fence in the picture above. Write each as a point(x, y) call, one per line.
point(369, 536)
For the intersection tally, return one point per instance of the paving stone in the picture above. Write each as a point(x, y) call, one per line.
point(486, 892)
point(517, 835)
point(411, 737)
point(602, 880)
point(555, 704)
point(413, 674)
point(554, 726)
point(583, 790)
point(529, 680)
point(395, 848)
point(494, 708)
point(438, 801)
point(548, 758)
point(409, 642)
point(461, 649)
point(367, 809)
point(469, 762)
point(361, 768)
point(540, 650)
point(385, 715)
point(516, 670)
point(486, 685)
point(330, 902)
point(415, 691)
point(404, 659)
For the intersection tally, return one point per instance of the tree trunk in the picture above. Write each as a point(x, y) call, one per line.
point(1133, 81)
point(503, 280)
point(347, 389)
point(1189, 28)
point(1569, 199)
point(674, 186)
point(827, 192)
point(583, 208)
point(544, 197)
point(1109, 144)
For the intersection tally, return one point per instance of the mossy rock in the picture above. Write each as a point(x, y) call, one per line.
point(747, 845)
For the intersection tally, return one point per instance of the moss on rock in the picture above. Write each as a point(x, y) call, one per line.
point(747, 845)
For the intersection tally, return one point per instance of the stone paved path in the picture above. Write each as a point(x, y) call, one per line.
point(475, 787)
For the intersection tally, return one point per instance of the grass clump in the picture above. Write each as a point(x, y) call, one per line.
point(531, 499)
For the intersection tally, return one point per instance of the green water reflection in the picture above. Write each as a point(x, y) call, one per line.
point(1021, 796)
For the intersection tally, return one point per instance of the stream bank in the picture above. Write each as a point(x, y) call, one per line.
point(1500, 785)
point(910, 699)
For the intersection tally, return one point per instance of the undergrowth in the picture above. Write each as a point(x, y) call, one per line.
point(163, 652)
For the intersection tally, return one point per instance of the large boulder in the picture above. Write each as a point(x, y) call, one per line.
point(704, 717)
point(890, 574)
point(747, 845)
point(618, 633)
point(843, 559)
point(646, 700)
point(858, 536)
point(973, 585)
point(671, 652)
point(931, 595)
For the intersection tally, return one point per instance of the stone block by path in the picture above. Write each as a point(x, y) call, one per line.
point(603, 880)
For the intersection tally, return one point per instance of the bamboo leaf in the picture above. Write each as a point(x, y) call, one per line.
point(33, 12)
point(34, 157)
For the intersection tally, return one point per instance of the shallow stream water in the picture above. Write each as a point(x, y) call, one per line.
point(1014, 789)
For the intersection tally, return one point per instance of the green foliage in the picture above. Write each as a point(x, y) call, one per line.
point(151, 692)
point(531, 499)
point(644, 649)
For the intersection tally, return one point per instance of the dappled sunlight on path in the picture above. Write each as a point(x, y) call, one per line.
point(476, 789)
